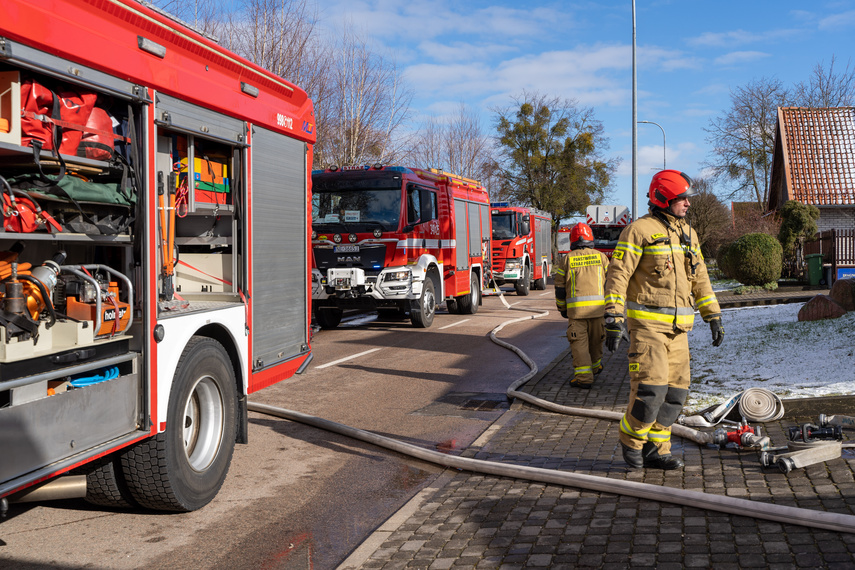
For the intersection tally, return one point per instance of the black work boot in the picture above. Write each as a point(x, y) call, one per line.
point(652, 458)
point(632, 457)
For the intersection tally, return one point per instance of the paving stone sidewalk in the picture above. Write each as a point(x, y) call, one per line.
point(466, 520)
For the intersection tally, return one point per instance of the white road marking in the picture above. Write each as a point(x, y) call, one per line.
point(454, 324)
point(545, 294)
point(340, 360)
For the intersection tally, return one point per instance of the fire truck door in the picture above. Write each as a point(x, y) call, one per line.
point(279, 259)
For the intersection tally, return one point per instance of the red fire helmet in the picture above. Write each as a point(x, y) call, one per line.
point(582, 234)
point(668, 185)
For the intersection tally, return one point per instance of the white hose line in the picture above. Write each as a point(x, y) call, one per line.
point(695, 499)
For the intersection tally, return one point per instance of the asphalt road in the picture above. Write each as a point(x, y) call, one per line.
point(298, 497)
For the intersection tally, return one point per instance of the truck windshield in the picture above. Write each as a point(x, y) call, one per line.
point(504, 226)
point(562, 241)
point(606, 236)
point(356, 210)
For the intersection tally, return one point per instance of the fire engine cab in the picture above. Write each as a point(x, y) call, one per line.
point(154, 255)
point(397, 239)
point(522, 246)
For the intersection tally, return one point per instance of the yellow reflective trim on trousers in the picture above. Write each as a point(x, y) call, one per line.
point(560, 304)
point(658, 436)
point(597, 364)
point(662, 318)
point(624, 427)
point(630, 247)
point(583, 369)
point(704, 301)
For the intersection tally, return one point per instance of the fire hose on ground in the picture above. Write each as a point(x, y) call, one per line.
point(720, 503)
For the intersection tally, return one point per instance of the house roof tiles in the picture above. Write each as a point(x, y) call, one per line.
point(819, 154)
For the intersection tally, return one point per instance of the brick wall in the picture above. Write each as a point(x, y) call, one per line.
point(836, 218)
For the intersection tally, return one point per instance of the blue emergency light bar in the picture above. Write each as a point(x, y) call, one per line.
point(500, 204)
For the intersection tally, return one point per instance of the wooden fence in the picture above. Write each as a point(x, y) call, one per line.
point(837, 248)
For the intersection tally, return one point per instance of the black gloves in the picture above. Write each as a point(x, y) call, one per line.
point(717, 331)
point(563, 312)
point(615, 329)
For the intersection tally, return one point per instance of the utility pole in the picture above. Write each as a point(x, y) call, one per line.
point(634, 124)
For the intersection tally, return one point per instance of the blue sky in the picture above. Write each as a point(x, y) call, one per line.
point(690, 55)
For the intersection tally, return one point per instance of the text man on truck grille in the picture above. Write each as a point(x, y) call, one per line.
point(657, 274)
point(579, 296)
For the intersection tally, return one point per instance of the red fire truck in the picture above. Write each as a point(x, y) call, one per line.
point(522, 246)
point(154, 253)
point(398, 239)
point(606, 222)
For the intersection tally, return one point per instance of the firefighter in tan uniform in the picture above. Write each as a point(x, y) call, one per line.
point(657, 276)
point(579, 296)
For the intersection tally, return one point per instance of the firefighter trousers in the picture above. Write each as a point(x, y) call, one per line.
point(586, 338)
point(659, 384)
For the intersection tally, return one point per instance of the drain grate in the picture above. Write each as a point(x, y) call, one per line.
point(477, 405)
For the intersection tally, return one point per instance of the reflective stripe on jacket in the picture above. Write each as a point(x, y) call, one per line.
point(658, 275)
point(579, 283)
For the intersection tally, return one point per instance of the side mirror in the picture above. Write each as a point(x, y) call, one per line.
point(408, 228)
point(525, 228)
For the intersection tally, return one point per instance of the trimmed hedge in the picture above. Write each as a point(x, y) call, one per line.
point(753, 259)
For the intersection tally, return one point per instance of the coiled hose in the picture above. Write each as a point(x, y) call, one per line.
point(720, 503)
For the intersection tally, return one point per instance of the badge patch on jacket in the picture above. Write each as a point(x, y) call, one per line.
point(634, 367)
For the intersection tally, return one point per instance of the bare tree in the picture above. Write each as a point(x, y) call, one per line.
point(360, 119)
point(743, 138)
point(205, 16)
point(709, 216)
point(825, 88)
point(457, 144)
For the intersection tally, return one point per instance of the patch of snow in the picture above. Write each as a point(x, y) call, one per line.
point(767, 347)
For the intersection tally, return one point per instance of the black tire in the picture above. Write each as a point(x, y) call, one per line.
point(522, 285)
point(468, 304)
point(451, 305)
point(423, 310)
point(328, 318)
point(183, 468)
point(540, 284)
point(105, 484)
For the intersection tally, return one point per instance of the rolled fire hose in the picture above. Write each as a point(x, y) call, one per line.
point(720, 503)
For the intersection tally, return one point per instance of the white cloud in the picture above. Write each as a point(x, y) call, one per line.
point(740, 37)
point(740, 57)
point(838, 21)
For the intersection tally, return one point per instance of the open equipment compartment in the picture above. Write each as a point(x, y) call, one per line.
point(71, 376)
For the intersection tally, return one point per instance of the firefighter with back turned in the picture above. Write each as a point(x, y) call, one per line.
point(579, 296)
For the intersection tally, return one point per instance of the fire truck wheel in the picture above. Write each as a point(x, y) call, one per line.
point(422, 314)
point(329, 318)
point(523, 284)
point(183, 468)
point(105, 484)
point(451, 305)
point(540, 284)
point(468, 304)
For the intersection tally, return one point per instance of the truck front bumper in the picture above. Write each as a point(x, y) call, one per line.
point(391, 284)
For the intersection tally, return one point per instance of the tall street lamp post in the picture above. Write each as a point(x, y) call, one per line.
point(663, 140)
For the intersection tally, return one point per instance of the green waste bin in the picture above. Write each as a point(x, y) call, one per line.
point(814, 262)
